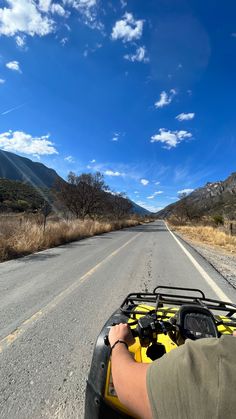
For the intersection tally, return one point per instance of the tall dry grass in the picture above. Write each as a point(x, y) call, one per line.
point(20, 237)
point(208, 235)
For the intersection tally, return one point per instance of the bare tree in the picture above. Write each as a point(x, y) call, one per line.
point(83, 195)
point(120, 205)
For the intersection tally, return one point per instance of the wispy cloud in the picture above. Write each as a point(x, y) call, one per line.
point(92, 161)
point(20, 41)
point(154, 195)
point(123, 3)
point(112, 173)
point(20, 142)
point(69, 159)
point(185, 191)
point(13, 109)
point(185, 116)
point(57, 8)
point(165, 98)
point(2, 81)
point(127, 29)
point(170, 138)
point(149, 207)
point(117, 136)
point(139, 56)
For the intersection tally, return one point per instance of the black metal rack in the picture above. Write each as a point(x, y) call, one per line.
point(165, 299)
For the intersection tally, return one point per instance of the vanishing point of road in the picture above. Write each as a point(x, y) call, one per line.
point(54, 303)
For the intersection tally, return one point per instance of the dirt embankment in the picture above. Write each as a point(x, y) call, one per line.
point(217, 247)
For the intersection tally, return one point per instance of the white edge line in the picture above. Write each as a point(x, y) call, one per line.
point(217, 290)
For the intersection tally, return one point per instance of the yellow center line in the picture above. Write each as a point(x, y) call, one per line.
point(8, 340)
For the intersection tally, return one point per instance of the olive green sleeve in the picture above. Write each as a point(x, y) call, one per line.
point(184, 382)
point(160, 377)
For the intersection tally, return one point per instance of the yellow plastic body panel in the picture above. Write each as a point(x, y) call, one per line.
point(139, 353)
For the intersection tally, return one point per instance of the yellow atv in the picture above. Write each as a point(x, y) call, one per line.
point(160, 321)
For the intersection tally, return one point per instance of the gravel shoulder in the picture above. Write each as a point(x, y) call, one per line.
point(223, 262)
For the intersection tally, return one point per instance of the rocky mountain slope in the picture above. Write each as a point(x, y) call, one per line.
point(19, 168)
point(215, 198)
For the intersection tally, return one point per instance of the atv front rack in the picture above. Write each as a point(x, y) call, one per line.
point(159, 299)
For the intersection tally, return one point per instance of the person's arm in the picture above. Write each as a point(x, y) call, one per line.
point(129, 377)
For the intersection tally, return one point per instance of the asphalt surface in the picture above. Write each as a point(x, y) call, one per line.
point(54, 303)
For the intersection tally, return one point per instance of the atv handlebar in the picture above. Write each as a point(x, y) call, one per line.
point(147, 329)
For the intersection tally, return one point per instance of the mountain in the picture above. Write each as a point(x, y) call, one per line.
point(22, 169)
point(139, 210)
point(19, 168)
point(215, 198)
point(16, 196)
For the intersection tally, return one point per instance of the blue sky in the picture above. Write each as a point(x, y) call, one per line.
point(143, 91)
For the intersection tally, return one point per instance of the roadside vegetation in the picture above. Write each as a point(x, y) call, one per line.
point(214, 231)
point(20, 237)
point(34, 219)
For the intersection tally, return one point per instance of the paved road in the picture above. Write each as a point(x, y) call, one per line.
point(54, 303)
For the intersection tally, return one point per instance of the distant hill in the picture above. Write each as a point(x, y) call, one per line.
point(19, 168)
point(25, 171)
point(215, 198)
point(139, 210)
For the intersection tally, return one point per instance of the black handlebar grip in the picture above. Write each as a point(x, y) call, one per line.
point(106, 341)
point(135, 333)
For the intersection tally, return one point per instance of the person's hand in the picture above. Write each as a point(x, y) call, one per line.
point(121, 331)
point(234, 333)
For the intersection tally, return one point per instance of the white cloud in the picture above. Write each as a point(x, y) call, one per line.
point(70, 159)
point(2, 81)
point(185, 191)
point(155, 194)
point(157, 183)
point(59, 10)
point(128, 29)
point(144, 182)
point(14, 65)
point(93, 161)
point(24, 17)
point(44, 5)
point(170, 138)
point(165, 98)
point(185, 116)
point(123, 3)
point(112, 173)
point(20, 142)
point(81, 4)
point(233, 34)
point(88, 10)
point(20, 41)
point(140, 55)
point(64, 40)
point(116, 136)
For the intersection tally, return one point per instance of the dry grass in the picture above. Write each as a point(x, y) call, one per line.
point(208, 235)
point(20, 237)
